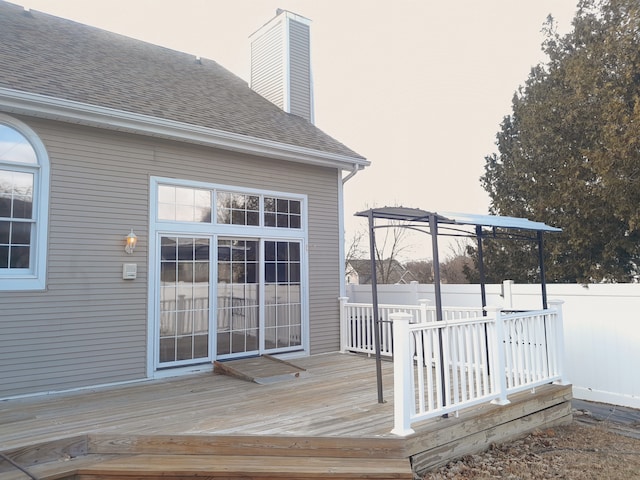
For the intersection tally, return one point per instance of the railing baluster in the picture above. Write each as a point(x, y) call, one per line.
point(539, 347)
point(429, 355)
point(462, 362)
point(471, 365)
point(420, 369)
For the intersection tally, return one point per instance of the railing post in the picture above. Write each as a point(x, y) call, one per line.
point(498, 367)
point(344, 324)
point(403, 395)
point(507, 294)
point(559, 340)
point(423, 310)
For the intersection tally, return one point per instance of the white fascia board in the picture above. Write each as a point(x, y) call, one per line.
point(15, 101)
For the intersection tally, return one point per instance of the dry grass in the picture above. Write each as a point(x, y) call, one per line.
point(573, 452)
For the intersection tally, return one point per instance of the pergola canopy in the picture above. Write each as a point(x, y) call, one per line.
point(450, 218)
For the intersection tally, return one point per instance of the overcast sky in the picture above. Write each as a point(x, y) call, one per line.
point(419, 87)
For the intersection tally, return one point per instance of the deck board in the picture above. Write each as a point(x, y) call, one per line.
point(338, 392)
point(331, 411)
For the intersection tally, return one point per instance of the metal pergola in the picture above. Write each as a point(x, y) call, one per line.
point(448, 224)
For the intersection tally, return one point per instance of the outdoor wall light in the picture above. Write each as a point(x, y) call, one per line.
point(131, 242)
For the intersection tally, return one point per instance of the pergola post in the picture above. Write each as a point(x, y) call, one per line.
point(483, 287)
point(543, 280)
point(483, 292)
point(374, 298)
point(433, 228)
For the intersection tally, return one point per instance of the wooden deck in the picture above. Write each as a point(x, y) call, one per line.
point(325, 424)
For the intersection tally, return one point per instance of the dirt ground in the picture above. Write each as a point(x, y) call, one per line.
point(596, 445)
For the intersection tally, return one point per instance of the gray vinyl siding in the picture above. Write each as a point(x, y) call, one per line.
point(267, 68)
point(324, 290)
point(300, 69)
point(90, 327)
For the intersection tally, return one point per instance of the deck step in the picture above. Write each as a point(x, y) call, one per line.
point(231, 467)
point(244, 467)
point(247, 445)
point(178, 467)
point(64, 468)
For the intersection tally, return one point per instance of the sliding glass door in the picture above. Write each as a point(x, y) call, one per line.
point(282, 299)
point(238, 329)
point(253, 316)
point(184, 300)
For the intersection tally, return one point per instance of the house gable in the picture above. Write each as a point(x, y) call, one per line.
point(83, 74)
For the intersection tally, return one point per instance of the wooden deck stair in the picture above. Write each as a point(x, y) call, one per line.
point(220, 457)
point(244, 467)
point(179, 467)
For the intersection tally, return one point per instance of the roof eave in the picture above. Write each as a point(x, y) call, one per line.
point(25, 103)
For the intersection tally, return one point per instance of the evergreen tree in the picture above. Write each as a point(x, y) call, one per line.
point(569, 153)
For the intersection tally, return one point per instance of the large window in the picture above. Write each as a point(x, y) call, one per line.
point(24, 176)
point(229, 267)
point(178, 203)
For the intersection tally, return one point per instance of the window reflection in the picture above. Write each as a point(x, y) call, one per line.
point(238, 305)
point(183, 204)
point(16, 218)
point(282, 213)
point(283, 305)
point(238, 209)
point(14, 147)
point(184, 298)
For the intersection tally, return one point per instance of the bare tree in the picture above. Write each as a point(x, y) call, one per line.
point(354, 250)
point(422, 270)
point(390, 243)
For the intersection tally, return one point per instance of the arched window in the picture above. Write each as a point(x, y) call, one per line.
point(24, 195)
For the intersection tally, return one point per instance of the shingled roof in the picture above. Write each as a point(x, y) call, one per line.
point(58, 58)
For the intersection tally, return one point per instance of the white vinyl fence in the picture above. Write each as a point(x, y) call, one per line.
point(601, 327)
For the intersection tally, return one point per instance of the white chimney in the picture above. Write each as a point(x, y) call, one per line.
point(281, 63)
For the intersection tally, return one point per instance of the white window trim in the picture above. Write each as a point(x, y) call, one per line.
point(216, 230)
point(36, 278)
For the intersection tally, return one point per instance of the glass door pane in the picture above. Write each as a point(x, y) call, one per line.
point(184, 300)
point(238, 306)
point(283, 298)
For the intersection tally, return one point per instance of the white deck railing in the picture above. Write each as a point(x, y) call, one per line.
point(442, 367)
point(356, 320)
point(467, 359)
